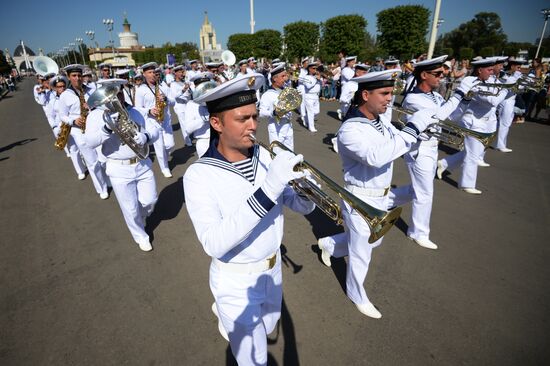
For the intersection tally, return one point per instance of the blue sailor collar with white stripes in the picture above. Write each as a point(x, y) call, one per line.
point(354, 112)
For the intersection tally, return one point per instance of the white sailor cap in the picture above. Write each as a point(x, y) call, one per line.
point(57, 78)
point(158, 70)
point(149, 66)
point(178, 68)
point(391, 61)
point(377, 79)
point(201, 77)
point(313, 64)
point(431, 64)
point(87, 72)
point(232, 94)
point(251, 59)
point(138, 76)
point(168, 66)
point(351, 58)
point(304, 59)
point(213, 65)
point(122, 72)
point(500, 59)
point(193, 62)
point(104, 66)
point(275, 61)
point(277, 69)
point(49, 75)
point(516, 61)
point(362, 67)
point(73, 68)
point(484, 62)
point(114, 81)
point(242, 62)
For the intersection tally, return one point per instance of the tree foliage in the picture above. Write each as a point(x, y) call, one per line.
point(403, 29)
point(484, 30)
point(5, 68)
point(466, 53)
point(158, 54)
point(242, 45)
point(268, 43)
point(301, 39)
point(343, 32)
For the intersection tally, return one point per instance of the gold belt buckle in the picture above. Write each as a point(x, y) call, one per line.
point(272, 260)
point(386, 190)
point(133, 160)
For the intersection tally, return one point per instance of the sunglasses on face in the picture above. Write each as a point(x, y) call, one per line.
point(437, 74)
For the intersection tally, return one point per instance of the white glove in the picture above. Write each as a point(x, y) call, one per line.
point(423, 118)
point(467, 84)
point(281, 171)
point(140, 138)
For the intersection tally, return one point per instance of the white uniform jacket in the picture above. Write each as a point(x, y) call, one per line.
point(52, 111)
point(97, 134)
point(348, 91)
point(145, 98)
point(180, 96)
point(347, 75)
point(69, 104)
point(368, 148)
point(197, 120)
point(480, 114)
point(234, 219)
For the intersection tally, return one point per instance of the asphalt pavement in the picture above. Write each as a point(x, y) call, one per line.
point(76, 290)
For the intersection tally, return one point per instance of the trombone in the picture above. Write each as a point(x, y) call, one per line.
point(448, 132)
point(379, 221)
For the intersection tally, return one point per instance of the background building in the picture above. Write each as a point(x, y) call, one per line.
point(210, 50)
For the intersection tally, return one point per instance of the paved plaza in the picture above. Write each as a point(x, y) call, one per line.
point(76, 290)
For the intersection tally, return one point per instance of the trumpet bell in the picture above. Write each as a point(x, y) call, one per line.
point(228, 58)
point(44, 65)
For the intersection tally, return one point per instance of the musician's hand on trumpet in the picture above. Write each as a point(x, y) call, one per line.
point(422, 120)
point(467, 84)
point(280, 172)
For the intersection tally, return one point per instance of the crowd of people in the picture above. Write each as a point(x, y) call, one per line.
point(236, 189)
point(7, 84)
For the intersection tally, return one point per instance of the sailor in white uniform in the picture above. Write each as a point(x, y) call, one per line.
point(312, 87)
point(42, 92)
point(190, 74)
point(422, 159)
point(506, 110)
point(279, 130)
point(235, 195)
point(69, 108)
point(58, 84)
point(145, 99)
point(348, 72)
point(181, 93)
point(242, 69)
point(104, 71)
point(131, 177)
point(302, 73)
point(251, 68)
point(196, 114)
point(168, 75)
point(479, 114)
point(368, 144)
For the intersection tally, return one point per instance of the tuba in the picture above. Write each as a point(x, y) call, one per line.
point(160, 103)
point(448, 132)
point(379, 221)
point(228, 58)
point(44, 65)
point(125, 128)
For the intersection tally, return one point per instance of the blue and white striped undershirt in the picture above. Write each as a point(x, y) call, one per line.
point(246, 168)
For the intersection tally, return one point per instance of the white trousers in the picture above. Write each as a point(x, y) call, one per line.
point(181, 120)
point(164, 143)
point(421, 163)
point(136, 193)
point(249, 306)
point(90, 158)
point(72, 149)
point(506, 116)
point(303, 104)
point(312, 108)
point(282, 132)
point(201, 144)
point(468, 158)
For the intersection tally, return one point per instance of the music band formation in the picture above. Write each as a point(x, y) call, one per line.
point(236, 189)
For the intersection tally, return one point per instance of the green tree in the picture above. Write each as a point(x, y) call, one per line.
point(301, 39)
point(403, 29)
point(484, 30)
point(268, 43)
point(5, 68)
point(466, 53)
point(512, 48)
point(242, 45)
point(487, 52)
point(343, 32)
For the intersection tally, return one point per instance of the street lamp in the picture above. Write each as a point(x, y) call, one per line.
point(434, 29)
point(72, 44)
point(79, 41)
point(109, 24)
point(546, 13)
point(91, 34)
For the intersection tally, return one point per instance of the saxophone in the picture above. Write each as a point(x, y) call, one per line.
point(160, 104)
point(83, 109)
point(63, 137)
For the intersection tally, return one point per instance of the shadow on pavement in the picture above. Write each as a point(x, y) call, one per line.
point(168, 206)
point(18, 143)
point(181, 156)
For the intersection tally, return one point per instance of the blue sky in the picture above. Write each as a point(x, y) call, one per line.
point(52, 25)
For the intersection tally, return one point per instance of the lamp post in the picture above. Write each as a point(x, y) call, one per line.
point(252, 22)
point(109, 24)
point(546, 13)
point(79, 41)
point(91, 34)
point(72, 45)
point(434, 29)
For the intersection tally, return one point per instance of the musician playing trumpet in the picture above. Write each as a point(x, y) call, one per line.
point(181, 93)
point(421, 160)
point(478, 115)
point(279, 130)
point(368, 144)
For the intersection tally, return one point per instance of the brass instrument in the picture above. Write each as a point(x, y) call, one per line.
point(399, 86)
point(379, 221)
point(160, 103)
point(448, 132)
point(83, 109)
point(288, 100)
point(125, 128)
point(529, 83)
point(499, 87)
point(63, 136)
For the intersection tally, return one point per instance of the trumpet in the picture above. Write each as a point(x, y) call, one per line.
point(447, 131)
point(379, 221)
point(498, 88)
point(535, 84)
